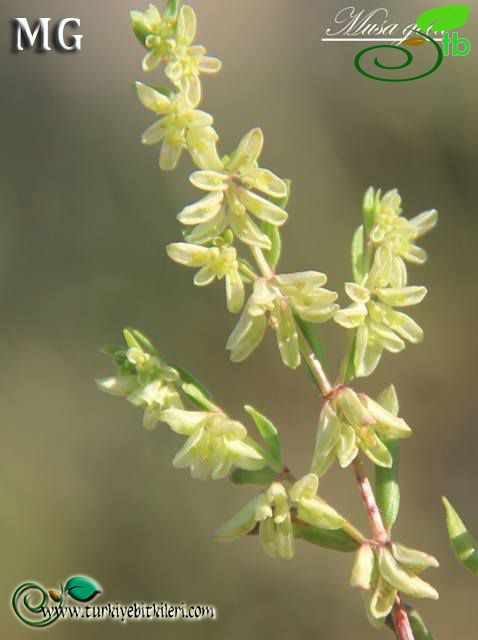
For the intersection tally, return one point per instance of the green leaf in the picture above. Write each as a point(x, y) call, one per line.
point(368, 209)
point(268, 432)
point(337, 540)
point(198, 397)
point(171, 9)
point(358, 261)
point(419, 629)
point(387, 490)
point(114, 351)
point(463, 544)
point(140, 340)
point(444, 18)
point(82, 588)
point(188, 378)
point(261, 477)
point(274, 253)
point(139, 28)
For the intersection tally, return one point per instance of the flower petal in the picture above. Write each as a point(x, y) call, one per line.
point(234, 291)
point(247, 152)
point(117, 385)
point(152, 99)
point(184, 422)
point(190, 255)
point(265, 181)
point(203, 210)
point(170, 154)
point(209, 180)
point(402, 580)
point(187, 25)
point(155, 133)
point(262, 208)
point(246, 336)
point(248, 232)
point(239, 525)
point(209, 65)
point(404, 297)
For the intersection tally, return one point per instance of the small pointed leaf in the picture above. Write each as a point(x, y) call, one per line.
point(420, 632)
point(139, 28)
point(268, 431)
point(335, 539)
point(263, 476)
point(358, 261)
point(188, 378)
point(144, 343)
point(463, 544)
point(171, 9)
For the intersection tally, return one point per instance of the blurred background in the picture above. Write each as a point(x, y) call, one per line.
point(85, 217)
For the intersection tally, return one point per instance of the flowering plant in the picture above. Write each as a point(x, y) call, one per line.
point(233, 233)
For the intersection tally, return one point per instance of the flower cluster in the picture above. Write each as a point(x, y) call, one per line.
point(213, 262)
point(273, 512)
point(380, 290)
point(382, 572)
point(277, 300)
point(242, 207)
point(349, 422)
point(215, 443)
point(168, 39)
point(232, 186)
point(143, 378)
point(243, 200)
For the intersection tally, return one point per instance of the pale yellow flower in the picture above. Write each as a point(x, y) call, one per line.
point(373, 313)
point(349, 422)
point(179, 126)
point(214, 262)
point(275, 301)
point(232, 185)
point(215, 443)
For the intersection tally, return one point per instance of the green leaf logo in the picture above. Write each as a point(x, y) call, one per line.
point(443, 18)
point(82, 588)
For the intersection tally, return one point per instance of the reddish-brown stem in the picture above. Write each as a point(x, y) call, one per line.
point(401, 622)
point(379, 532)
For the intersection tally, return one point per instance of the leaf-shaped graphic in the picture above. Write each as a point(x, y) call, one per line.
point(82, 588)
point(444, 18)
point(416, 41)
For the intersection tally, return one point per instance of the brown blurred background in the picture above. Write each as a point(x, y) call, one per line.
point(86, 215)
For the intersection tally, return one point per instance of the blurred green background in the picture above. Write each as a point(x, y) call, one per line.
point(85, 217)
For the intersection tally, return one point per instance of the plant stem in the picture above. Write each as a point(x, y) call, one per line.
point(262, 263)
point(380, 534)
point(315, 365)
point(403, 630)
point(401, 622)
